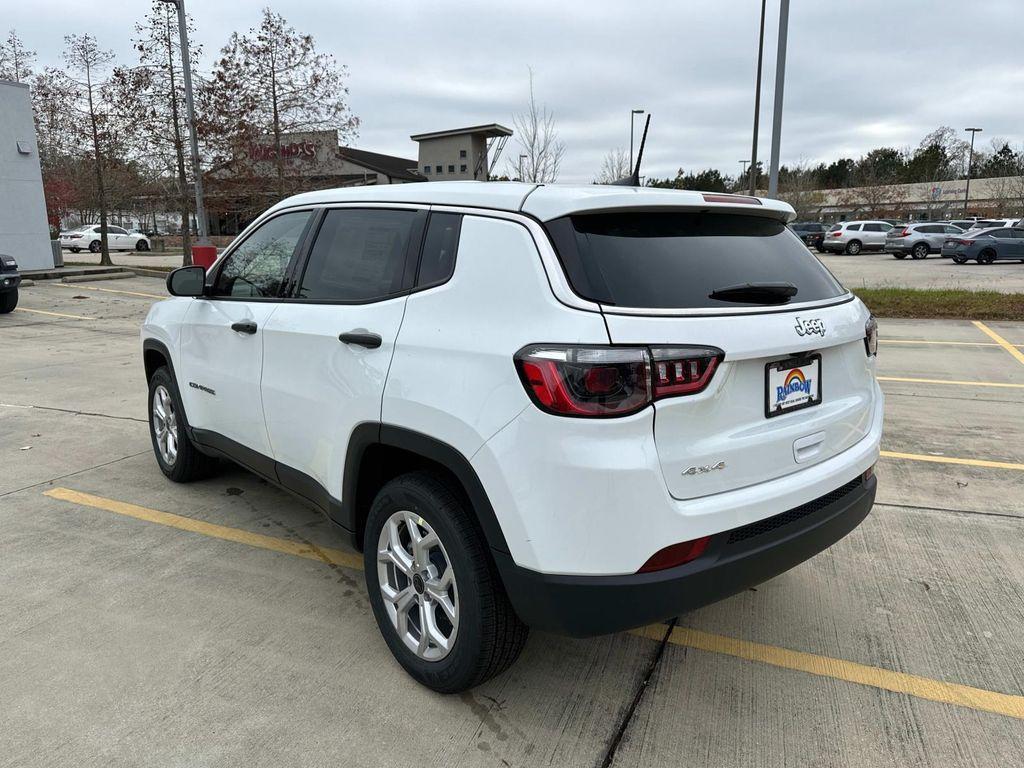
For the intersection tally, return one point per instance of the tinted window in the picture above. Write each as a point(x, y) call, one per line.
point(256, 268)
point(1017, 233)
point(359, 255)
point(116, 231)
point(853, 228)
point(877, 227)
point(439, 246)
point(951, 230)
point(676, 260)
point(997, 233)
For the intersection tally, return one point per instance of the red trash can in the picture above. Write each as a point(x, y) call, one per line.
point(204, 255)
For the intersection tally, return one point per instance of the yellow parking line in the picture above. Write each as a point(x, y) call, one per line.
point(299, 549)
point(79, 287)
point(822, 666)
point(953, 460)
point(849, 671)
point(953, 343)
point(948, 381)
point(1000, 341)
point(53, 314)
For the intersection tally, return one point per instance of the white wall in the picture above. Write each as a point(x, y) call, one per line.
point(24, 233)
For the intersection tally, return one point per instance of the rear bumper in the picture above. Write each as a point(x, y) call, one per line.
point(582, 606)
point(896, 248)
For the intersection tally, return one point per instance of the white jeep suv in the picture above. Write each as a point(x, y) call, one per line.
point(579, 409)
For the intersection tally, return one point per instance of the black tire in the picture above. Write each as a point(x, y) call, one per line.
point(899, 255)
point(76, 250)
point(490, 636)
point(189, 464)
point(854, 247)
point(8, 301)
point(959, 258)
point(94, 246)
point(987, 256)
point(142, 245)
point(921, 251)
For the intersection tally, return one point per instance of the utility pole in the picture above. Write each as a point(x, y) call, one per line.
point(780, 82)
point(743, 168)
point(757, 101)
point(186, 71)
point(521, 158)
point(970, 166)
point(632, 118)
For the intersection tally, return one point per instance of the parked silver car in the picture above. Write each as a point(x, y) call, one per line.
point(852, 237)
point(918, 240)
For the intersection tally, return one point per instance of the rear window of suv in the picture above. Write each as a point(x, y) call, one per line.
point(675, 260)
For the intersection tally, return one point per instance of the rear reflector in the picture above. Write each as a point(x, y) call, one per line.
point(742, 199)
point(676, 554)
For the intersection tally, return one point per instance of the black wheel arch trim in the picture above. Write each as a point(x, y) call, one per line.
point(372, 433)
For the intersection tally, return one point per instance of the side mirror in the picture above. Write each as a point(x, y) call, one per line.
point(187, 281)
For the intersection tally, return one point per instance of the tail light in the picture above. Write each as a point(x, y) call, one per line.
point(965, 242)
point(676, 554)
point(904, 233)
point(871, 336)
point(837, 233)
point(593, 381)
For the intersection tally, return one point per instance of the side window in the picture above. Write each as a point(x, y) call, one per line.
point(359, 255)
point(257, 267)
point(116, 231)
point(439, 246)
point(997, 233)
point(853, 228)
point(951, 230)
point(875, 228)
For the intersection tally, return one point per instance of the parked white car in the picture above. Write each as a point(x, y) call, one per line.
point(852, 237)
point(88, 238)
point(580, 409)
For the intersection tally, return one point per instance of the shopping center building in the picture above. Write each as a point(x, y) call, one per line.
point(256, 178)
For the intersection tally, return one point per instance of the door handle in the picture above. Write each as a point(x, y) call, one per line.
point(361, 339)
point(244, 326)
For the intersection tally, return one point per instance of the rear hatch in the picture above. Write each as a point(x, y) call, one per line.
point(795, 385)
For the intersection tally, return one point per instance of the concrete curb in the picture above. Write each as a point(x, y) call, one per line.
point(58, 273)
point(96, 278)
point(150, 272)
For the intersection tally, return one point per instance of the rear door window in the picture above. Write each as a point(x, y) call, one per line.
point(676, 260)
point(360, 255)
point(853, 228)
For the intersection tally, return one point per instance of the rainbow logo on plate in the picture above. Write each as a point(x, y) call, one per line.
point(795, 382)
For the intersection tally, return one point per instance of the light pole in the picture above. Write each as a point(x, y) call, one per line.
point(521, 158)
point(757, 101)
point(780, 82)
point(186, 71)
point(743, 168)
point(970, 164)
point(632, 117)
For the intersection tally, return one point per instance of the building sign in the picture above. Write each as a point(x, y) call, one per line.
point(297, 149)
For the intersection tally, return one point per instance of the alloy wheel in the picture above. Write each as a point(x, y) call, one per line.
point(417, 582)
point(165, 425)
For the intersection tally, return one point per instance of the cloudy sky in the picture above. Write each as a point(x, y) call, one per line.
point(859, 74)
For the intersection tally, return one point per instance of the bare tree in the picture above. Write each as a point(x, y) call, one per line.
point(273, 81)
point(537, 135)
point(84, 56)
point(614, 166)
point(160, 96)
point(15, 59)
point(797, 186)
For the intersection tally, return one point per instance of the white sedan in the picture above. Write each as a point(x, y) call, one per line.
point(88, 238)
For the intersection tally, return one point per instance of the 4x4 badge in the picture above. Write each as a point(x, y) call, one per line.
point(812, 326)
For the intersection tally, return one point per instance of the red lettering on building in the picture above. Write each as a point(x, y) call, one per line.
point(301, 149)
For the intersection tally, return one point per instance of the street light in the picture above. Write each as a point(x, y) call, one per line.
point(521, 158)
point(632, 117)
point(757, 102)
point(186, 70)
point(780, 82)
point(970, 164)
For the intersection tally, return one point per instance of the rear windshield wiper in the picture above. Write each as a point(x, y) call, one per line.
point(755, 293)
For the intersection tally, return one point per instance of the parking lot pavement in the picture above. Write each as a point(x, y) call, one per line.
point(219, 623)
point(881, 270)
point(128, 258)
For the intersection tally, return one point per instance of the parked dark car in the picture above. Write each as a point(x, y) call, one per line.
point(988, 245)
point(811, 232)
point(9, 282)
